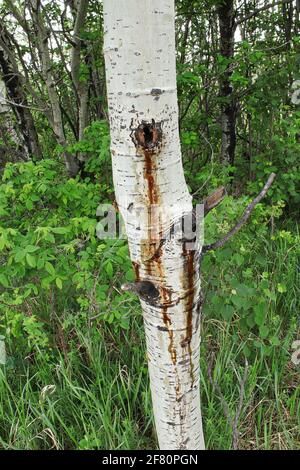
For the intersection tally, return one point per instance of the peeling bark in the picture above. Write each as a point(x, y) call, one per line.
point(148, 173)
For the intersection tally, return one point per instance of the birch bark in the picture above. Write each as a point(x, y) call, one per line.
point(139, 45)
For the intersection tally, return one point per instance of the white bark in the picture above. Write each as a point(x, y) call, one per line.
point(142, 97)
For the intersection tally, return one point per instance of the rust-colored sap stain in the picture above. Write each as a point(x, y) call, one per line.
point(136, 268)
point(189, 281)
point(115, 206)
point(153, 267)
point(168, 324)
point(149, 169)
point(147, 138)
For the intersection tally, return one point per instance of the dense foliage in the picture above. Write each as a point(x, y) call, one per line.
point(76, 372)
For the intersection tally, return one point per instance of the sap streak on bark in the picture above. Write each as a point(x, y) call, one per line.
point(147, 170)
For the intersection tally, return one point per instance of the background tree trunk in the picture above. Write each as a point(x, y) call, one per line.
point(81, 84)
point(15, 90)
point(228, 114)
point(42, 35)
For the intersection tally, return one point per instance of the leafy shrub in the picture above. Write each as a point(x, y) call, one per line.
point(50, 254)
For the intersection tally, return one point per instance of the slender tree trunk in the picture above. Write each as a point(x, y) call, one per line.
point(12, 148)
point(184, 40)
point(228, 113)
point(18, 101)
point(147, 168)
point(81, 84)
point(288, 15)
point(42, 35)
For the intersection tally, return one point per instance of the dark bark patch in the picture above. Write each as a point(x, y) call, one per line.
point(162, 328)
point(156, 91)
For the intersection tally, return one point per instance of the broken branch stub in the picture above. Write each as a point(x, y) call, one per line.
point(214, 199)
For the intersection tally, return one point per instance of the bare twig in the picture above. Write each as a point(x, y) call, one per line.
point(20, 105)
point(216, 387)
point(235, 432)
point(244, 218)
point(232, 421)
point(264, 8)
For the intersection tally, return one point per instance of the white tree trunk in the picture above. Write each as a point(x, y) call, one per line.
point(147, 170)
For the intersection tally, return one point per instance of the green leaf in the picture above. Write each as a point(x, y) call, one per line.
point(246, 351)
point(250, 321)
point(20, 255)
point(46, 281)
point(29, 204)
point(270, 294)
point(243, 290)
point(109, 269)
point(31, 248)
point(31, 260)
point(129, 276)
point(263, 331)
point(239, 302)
point(58, 282)
point(238, 259)
point(40, 263)
point(49, 237)
point(227, 312)
point(281, 288)
point(260, 313)
point(49, 268)
point(275, 341)
point(61, 230)
point(4, 280)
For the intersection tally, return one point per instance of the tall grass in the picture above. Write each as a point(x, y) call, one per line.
point(91, 391)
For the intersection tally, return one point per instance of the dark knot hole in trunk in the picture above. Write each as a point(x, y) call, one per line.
point(148, 135)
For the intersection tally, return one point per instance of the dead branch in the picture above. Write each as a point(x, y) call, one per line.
point(244, 218)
